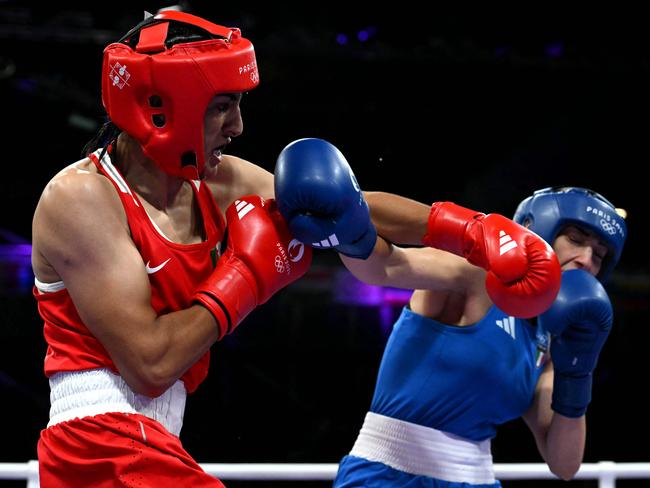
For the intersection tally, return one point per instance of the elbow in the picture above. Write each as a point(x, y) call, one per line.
point(565, 472)
point(150, 379)
point(149, 385)
point(152, 390)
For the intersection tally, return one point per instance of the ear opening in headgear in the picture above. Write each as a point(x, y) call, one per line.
point(158, 120)
point(188, 159)
point(155, 101)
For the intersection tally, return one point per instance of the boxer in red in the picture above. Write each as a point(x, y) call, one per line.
point(130, 279)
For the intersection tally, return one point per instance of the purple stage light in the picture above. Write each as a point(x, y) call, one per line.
point(554, 50)
point(16, 268)
point(350, 291)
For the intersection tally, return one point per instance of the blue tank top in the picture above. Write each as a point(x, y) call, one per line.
point(461, 380)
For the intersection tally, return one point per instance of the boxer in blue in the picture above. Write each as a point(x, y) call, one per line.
point(466, 354)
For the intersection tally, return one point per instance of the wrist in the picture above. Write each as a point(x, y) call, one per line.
point(571, 394)
point(230, 294)
point(218, 311)
point(446, 227)
point(363, 246)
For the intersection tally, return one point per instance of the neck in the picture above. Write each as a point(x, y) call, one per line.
point(145, 177)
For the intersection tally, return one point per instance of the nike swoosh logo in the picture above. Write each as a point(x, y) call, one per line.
point(151, 270)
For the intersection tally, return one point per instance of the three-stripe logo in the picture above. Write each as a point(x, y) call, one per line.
point(505, 243)
point(508, 325)
point(243, 207)
point(331, 241)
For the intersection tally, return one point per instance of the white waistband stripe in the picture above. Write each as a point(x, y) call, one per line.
point(420, 450)
point(86, 393)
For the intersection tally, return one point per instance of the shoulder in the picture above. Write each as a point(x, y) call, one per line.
point(77, 198)
point(79, 211)
point(235, 177)
point(76, 186)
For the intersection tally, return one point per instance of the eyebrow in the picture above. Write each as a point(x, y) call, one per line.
point(588, 233)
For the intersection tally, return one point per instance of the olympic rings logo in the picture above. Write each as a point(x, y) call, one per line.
point(607, 227)
point(279, 264)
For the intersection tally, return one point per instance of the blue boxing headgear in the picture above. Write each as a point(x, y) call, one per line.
point(549, 210)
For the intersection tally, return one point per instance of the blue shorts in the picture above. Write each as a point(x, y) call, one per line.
point(356, 472)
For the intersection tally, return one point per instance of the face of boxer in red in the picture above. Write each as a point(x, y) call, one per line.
point(221, 123)
point(172, 78)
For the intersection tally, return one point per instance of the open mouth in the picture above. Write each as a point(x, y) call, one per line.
point(217, 153)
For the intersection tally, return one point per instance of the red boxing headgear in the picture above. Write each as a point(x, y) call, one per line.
point(159, 95)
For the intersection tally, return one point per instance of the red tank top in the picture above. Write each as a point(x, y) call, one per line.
point(175, 271)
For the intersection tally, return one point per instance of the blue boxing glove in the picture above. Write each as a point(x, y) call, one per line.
point(579, 321)
point(319, 197)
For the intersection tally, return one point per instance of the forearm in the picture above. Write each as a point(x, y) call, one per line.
point(565, 445)
point(410, 268)
point(398, 219)
point(161, 353)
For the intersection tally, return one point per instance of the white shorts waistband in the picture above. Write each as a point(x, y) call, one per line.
point(81, 394)
point(420, 450)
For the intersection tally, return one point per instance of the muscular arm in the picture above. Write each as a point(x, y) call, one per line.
point(415, 268)
point(398, 219)
point(560, 440)
point(236, 177)
point(81, 231)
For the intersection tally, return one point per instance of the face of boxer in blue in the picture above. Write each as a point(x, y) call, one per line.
point(585, 229)
point(579, 248)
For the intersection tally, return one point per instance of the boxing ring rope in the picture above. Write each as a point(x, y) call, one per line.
point(606, 472)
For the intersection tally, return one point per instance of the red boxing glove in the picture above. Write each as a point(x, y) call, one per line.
point(524, 274)
point(261, 258)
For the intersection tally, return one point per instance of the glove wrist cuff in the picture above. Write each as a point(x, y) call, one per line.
point(362, 247)
point(229, 292)
point(447, 226)
point(571, 394)
point(217, 309)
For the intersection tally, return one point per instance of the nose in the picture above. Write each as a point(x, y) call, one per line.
point(585, 259)
point(234, 124)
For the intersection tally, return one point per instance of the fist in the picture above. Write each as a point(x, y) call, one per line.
point(523, 272)
point(580, 321)
point(321, 200)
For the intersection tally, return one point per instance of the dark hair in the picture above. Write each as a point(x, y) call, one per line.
point(178, 32)
point(105, 136)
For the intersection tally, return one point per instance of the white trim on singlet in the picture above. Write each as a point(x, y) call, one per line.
point(48, 287)
point(115, 174)
point(424, 451)
point(112, 171)
point(158, 229)
point(79, 394)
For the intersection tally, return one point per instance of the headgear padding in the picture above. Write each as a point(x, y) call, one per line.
point(159, 95)
point(549, 210)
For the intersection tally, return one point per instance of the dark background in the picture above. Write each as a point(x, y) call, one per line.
point(476, 105)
